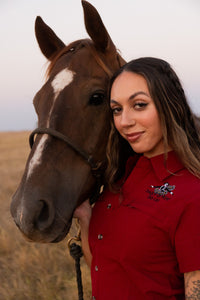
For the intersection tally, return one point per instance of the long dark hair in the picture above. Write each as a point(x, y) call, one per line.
point(177, 121)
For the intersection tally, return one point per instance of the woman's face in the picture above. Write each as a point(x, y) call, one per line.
point(135, 115)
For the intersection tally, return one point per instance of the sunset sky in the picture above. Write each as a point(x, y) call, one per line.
point(168, 29)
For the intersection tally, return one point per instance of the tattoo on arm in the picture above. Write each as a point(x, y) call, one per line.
point(192, 285)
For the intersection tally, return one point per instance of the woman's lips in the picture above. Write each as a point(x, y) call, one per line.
point(133, 137)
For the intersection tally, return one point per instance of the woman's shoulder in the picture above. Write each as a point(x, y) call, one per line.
point(188, 186)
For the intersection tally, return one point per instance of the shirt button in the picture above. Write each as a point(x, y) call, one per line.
point(100, 236)
point(109, 206)
point(96, 268)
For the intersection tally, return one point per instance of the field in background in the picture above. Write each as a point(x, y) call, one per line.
point(30, 271)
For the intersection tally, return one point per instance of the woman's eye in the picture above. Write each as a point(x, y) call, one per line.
point(97, 99)
point(140, 105)
point(116, 110)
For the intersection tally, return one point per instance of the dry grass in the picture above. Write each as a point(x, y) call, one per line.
point(30, 271)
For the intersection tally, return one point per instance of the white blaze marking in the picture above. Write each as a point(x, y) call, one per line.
point(60, 81)
point(36, 159)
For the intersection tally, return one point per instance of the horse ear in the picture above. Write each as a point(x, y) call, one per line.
point(48, 41)
point(96, 28)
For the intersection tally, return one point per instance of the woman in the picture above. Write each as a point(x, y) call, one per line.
point(144, 232)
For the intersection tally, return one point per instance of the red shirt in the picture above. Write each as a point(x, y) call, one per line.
point(144, 238)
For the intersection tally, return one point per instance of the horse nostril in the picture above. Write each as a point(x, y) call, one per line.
point(45, 216)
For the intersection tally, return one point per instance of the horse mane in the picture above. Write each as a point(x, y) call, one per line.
point(74, 46)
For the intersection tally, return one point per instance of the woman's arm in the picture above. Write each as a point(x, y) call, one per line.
point(192, 285)
point(83, 213)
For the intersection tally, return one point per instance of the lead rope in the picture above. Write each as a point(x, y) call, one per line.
point(76, 253)
point(75, 249)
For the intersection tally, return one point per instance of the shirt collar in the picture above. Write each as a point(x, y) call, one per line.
point(164, 169)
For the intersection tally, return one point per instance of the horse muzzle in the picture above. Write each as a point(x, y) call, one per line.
point(39, 221)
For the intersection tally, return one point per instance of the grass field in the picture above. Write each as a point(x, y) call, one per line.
point(30, 271)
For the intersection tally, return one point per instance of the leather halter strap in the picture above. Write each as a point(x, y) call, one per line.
point(87, 157)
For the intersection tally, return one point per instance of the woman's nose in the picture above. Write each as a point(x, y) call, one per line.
point(127, 119)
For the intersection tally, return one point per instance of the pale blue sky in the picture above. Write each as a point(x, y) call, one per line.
point(168, 29)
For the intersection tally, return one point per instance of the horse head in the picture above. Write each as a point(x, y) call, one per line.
point(73, 127)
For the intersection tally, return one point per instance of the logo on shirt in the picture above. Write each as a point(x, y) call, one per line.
point(161, 192)
point(163, 189)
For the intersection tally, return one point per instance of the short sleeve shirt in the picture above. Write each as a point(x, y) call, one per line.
point(146, 236)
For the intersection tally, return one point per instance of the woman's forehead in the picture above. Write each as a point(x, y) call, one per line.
point(127, 84)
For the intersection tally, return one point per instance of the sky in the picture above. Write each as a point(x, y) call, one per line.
point(167, 29)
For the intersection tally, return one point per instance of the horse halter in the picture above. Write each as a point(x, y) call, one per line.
point(96, 167)
point(88, 158)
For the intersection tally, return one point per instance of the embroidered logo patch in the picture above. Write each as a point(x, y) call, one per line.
point(163, 189)
point(161, 192)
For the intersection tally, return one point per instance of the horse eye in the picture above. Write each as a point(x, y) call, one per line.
point(97, 99)
point(72, 49)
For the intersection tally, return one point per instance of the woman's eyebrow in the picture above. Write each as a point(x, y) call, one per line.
point(138, 93)
point(112, 101)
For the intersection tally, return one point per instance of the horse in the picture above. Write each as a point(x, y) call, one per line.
point(69, 145)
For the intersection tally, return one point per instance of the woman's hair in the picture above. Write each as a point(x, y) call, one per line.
point(177, 121)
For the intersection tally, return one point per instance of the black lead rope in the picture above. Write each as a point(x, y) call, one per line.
point(76, 252)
